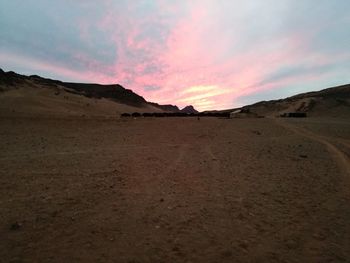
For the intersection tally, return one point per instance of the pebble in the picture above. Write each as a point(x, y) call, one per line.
point(16, 226)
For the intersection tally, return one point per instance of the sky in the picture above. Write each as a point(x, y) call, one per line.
point(212, 54)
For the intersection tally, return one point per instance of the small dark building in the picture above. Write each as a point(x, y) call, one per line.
point(159, 114)
point(147, 114)
point(124, 115)
point(136, 115)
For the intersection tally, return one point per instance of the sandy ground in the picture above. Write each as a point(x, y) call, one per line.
point(174, 190)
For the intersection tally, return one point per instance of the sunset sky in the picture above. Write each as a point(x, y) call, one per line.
point(213, 54)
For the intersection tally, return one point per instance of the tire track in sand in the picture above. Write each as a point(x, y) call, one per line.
point(181, 153)
point(341, 159)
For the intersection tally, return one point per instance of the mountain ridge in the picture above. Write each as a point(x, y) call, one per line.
point(334, 101)
point(115, 92)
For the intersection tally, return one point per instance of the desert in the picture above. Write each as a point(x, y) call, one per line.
point(79, 183)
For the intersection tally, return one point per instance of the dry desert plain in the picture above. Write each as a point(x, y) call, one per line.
point(174, 190)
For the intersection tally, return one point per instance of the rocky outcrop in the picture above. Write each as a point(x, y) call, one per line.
point(189, 109)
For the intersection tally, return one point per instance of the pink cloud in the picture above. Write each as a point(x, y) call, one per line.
point(58, 70)
point(204, 53)
point(193, 59)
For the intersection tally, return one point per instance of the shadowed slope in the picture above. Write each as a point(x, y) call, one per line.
point(331, 102)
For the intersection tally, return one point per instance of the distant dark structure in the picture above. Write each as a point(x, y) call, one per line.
point(177, 114)
point(136, 115)
point(147, 114)
point(294, 115)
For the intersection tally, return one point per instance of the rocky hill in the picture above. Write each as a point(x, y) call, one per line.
point(189, 109)
point(33, 96)
point(116, 93)
point(331, 102)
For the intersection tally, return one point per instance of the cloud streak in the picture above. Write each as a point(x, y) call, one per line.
point(212, 54)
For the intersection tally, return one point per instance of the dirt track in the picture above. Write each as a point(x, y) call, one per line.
point(338, 155)
point(174, 190)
